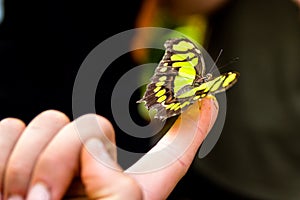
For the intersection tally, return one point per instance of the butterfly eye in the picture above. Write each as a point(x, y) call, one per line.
point(208, 77)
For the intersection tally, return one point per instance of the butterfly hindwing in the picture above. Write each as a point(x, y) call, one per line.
point(214, 86)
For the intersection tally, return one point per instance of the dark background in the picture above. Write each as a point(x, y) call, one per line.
point(42, 45)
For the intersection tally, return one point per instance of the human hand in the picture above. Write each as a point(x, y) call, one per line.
point(44, 157)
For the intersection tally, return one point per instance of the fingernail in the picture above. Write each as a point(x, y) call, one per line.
point(15, 197)
point(97, 149)
point(39, 192)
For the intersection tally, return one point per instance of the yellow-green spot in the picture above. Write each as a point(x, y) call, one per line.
point(231, 77)
point(213, 85)
point(183, 46)
point(203, 95)
point(163, 78)
point(190, 64)
point(218, 83)
point(159, 84)
point(196, 98)
point(156, 89)
point(209, 85)
point(163, 69)
point(161, 99)
point(203, 86)
point(174, 106)
point(160, 93)
point(184, 104)
point(177, 107)
point(165, 64)
point(187, 72)
point(180, 82)
point(178, 57)
point(194, 61)
point(188, 93)
point(182, 56)
point(182, 64)
point(169, 106)
point(206, 86)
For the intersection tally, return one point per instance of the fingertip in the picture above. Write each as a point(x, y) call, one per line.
point(54, 115)
point(210, 101)
point(14, 123)
point(103, 123)
point(209, 104)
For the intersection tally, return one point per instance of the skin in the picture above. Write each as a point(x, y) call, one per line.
point(47, 155)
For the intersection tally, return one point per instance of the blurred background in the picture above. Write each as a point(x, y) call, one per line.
point(257, 155)
point(43, 43)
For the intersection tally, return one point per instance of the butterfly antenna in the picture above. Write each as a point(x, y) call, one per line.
point(215, 63)
point(233, 60)
point(225, 65)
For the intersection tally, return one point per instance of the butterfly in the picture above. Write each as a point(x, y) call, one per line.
point(180, 80)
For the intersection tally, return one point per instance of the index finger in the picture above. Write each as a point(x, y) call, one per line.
point(176, 150)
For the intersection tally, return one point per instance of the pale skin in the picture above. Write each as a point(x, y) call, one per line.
point(40, 160)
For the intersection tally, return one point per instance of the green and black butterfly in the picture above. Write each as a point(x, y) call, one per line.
point(180, 80)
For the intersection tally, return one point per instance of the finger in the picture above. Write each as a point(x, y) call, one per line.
point(59, 163)
point(102, 176)
point(10, 131)
point(173, 154)
point(26, 151)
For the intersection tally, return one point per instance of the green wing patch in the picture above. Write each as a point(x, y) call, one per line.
point(180, 80)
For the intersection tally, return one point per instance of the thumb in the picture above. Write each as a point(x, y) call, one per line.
point(102, 177)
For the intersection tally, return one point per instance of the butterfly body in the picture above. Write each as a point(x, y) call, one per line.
point(180, 80)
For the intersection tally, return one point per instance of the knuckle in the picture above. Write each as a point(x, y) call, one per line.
point(17, 178)
point(98, 118)
point(49, 120)
point(92, 124)
point(16, 171)
point(47, 160)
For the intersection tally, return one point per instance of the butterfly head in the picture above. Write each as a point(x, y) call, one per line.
point(202, 79)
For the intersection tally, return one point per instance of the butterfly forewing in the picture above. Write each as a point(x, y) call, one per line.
point(173, 86)
point(178, 69)
point(214, 86)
